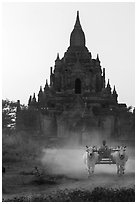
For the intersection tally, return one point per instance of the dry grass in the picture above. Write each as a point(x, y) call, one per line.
point(19, 147)
point(97, 195)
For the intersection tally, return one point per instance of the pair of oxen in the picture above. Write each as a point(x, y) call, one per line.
point(91, 157)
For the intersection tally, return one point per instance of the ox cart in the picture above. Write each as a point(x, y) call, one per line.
point(105, 155)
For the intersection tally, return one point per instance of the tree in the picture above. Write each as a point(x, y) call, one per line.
point(8, 114)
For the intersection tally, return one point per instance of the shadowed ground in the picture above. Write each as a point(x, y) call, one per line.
point(59, 169)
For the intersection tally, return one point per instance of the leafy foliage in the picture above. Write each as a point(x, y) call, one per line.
point(8, 114)
point(98, 194)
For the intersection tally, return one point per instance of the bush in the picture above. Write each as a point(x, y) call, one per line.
point(18, 146)
point(99, 194)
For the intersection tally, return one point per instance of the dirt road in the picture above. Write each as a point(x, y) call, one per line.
point(67, 172)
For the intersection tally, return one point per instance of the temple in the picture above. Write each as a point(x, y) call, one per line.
point(78, 103)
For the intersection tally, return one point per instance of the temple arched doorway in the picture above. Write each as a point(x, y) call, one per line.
point(77, 86)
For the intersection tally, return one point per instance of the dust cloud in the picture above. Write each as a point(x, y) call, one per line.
point(63, 161)
point(68, 160)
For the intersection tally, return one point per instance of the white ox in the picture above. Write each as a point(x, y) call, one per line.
point(90, 158)
point(120, 157)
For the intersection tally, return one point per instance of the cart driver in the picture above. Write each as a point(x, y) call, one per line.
point(104, 146)
point(103, 150)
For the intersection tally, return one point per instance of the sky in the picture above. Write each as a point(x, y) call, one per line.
point(33, 34)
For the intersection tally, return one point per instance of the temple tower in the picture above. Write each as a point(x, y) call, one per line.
point(77, 79)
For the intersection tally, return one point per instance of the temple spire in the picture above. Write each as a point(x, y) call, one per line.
point(77, 37)
point(46, 82)
point(115, 95)
point(40, 88)
point(30, 100)
point(108, 87)
point(97, 58)
point(77, 24)
point(58, 56)
point(104, 81)
point(108, 84)
point(114, 89)
point(34, 98)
